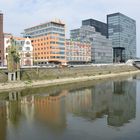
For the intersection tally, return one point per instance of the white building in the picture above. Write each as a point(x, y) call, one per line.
point(24, 47)
point(26, 53)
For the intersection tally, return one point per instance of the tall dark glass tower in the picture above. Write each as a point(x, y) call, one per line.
point(98, 25)
point(122, 32)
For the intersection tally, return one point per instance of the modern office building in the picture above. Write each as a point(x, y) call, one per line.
point(102, 51)
point(48, 40)
point(99, 26)
point(24, 47)
point(48, 49)
point(78, 52)
point(101, 47)
point(122, 32)
point(1, 39)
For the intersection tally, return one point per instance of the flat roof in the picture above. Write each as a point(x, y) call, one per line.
point(90, 19)
point(118, 13)
point(59, 23)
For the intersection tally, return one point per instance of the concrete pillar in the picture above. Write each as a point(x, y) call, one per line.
point(18, 75)
point(11, 76)
point(14, 95)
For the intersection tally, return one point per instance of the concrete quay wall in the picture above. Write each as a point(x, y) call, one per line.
point(73, 72)
point(33, 78)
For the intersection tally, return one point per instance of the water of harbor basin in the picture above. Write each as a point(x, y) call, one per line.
point(107, 110)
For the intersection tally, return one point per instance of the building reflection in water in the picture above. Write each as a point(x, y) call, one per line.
point(92, 102)
point(50, 109)
point(3, 119)
point(123, 103)
point(116, 100)
point(13, 108)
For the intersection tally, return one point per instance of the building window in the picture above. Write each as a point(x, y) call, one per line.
point(27, 54)
point(7, 41)
point(20, 48)
point(28, 48)
point(28, 62)
point(27, 42)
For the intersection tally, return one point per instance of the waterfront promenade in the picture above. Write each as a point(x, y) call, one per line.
point(104, 72)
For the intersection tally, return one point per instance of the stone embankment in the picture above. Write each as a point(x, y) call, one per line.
point(55, 76)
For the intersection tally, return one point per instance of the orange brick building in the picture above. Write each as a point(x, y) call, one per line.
point(48, 40)
point(48, 49)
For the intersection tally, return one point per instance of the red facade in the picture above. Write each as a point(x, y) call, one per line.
point(1, 40)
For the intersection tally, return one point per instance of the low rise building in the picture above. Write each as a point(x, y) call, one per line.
point(78, 52)
point(24, 48)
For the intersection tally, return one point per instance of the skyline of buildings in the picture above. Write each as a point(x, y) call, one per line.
point(50, 44)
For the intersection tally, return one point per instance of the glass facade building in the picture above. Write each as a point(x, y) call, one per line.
point(122, 32)
point(101, 47)
point(99, 26)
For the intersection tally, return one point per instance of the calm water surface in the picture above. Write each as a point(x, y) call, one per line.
point(109, 110)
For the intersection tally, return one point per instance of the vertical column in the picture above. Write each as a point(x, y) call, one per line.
point(11, 76)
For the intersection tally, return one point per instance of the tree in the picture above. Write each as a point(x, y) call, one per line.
point(13, 56)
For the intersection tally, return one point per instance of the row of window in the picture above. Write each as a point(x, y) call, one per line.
point(42, 53)
point(49, 38)
point(47, 30)
point(48, 48)
point(78, 59)
point(51, 57)
point(51, 42)
point(44, 26)
point(41, 58)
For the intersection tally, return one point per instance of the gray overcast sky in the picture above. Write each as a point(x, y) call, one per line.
point(21, 14)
